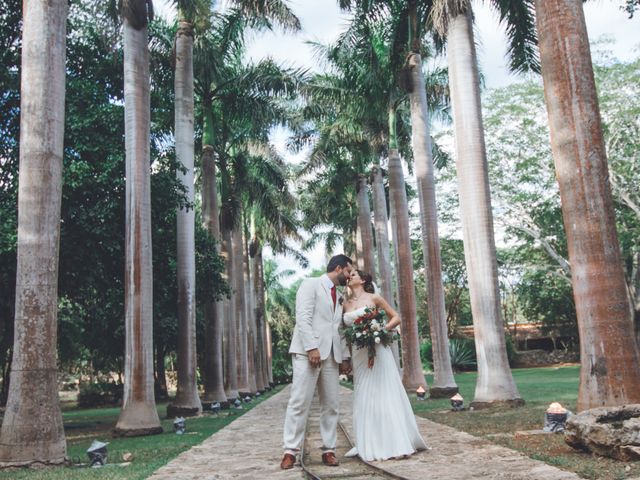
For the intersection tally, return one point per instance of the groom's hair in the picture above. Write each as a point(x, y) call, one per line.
point(338, 261)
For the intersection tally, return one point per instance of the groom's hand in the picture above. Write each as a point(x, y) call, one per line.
point(314, 357)
point(345, 367)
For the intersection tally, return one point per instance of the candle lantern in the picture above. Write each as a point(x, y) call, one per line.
point(215, 407)
point(555, 418)
point(97, 453)
point(421, 393)
point(457, 403)
point(179, 425)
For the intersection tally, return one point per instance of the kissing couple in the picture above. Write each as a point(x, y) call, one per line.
point(383, 421)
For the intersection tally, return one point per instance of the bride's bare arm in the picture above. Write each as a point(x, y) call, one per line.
point(392, 315)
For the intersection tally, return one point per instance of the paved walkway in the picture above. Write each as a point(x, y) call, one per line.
point(250, 448)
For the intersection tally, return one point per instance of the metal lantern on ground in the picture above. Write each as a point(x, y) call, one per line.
point(179, 425)
point(421, 393)
point(457, 403)
point(247, 399)
point(215, 407)
point(555, 418)
point(237, 403)
point(97, 453)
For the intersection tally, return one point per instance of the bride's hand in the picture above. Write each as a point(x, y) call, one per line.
point(370, 362)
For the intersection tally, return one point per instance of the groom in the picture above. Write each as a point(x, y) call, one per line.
point(316, 352)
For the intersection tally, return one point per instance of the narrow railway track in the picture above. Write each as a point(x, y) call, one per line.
point(350, 468)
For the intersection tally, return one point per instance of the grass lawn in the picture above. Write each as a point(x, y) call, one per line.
point(539, 387)
point(150, 453)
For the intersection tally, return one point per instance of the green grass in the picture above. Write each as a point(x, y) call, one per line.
point(538, 387)
point(150, 453)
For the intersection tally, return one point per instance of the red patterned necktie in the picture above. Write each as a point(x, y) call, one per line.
point(333, 296)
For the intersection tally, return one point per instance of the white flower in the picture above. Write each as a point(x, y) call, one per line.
point(377, 340)
point(376, 333)
point(358, 335)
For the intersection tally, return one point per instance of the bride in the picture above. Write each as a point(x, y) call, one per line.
point(383, 422)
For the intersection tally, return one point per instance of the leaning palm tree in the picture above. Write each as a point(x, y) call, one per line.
point(139, 415)
point(609, 355)
point(444, 385)
point(32, 430)
point(379, 42)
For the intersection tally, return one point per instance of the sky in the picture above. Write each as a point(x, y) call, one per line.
point(322, 21)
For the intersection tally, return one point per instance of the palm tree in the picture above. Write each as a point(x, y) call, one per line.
point(495, 383)
point(218, 54)
point(381, 221)
point(364, 225)
point(139, 415)
point(32, 430)
point(609, 355)
point(412, 376)
point(241, 317)
point(186, 402)
point(381, 46)
point(213, 371)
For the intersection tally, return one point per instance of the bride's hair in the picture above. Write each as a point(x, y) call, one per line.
point(367, 281)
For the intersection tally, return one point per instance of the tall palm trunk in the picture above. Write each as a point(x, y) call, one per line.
point(495, 382)
point(241, 319)
point(381, 221)
point(382, 246)
point(258, 288)
point(32, 430)
point(213, 313)
point(230, 329)
point(139, 415)
point(249, 312)
point(609, 355)
point(187, 401)
point(444, 385)
point(359, 247)
point(269, 355)
point(412, 376)
point(364, 226)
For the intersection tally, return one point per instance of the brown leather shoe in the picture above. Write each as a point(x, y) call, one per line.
point(330, 460)
point(287, 461)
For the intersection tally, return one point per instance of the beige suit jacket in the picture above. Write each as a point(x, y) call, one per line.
point(317, 322)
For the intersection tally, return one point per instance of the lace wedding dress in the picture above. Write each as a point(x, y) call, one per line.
point(383, 422)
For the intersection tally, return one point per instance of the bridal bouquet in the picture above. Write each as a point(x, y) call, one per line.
point(369, 330)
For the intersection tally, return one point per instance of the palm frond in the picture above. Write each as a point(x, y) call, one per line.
point(519, 19)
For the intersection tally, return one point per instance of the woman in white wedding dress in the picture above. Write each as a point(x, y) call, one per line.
point(383, 422)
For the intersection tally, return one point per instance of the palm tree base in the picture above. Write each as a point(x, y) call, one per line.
point(119, 432)
point(512, 403)
point(442, 392)
point(174, 411)
point(206, 404)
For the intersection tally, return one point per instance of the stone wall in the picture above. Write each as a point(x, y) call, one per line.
point(541, 358)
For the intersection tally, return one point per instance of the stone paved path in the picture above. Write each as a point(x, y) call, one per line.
point(250, 448)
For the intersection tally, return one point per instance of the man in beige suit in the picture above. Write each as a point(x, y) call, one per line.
point(318, 356)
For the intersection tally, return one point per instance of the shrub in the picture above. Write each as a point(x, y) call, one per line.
point(511, 350)
point(100, 393)
point(461, 350)
point(463, 354)
point(426, 354)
